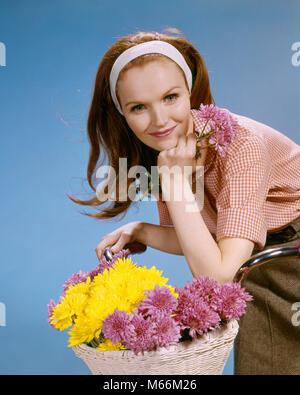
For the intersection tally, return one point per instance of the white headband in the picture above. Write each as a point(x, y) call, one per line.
point(155, 46)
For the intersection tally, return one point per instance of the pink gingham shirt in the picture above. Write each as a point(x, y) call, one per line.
point(254, 189)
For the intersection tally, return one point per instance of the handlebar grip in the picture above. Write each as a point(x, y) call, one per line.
point(134, 248)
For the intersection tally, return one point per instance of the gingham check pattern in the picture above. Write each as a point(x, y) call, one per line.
point(254, 189)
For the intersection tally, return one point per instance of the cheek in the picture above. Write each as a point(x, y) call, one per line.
point(138, 124)
point(182, 111)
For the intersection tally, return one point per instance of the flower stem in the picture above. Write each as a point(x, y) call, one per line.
point(202, 131)
point(205, 136)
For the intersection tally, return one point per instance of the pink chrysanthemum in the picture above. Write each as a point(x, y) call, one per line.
point(231, 300)
point(117, 327)
point(76, 278)
point(159, 299)
point(144, 330)
point(196, 315)
point(203, 287)
point(106, 264)
point(50, 306)
point(224, 125)
point(166, 330)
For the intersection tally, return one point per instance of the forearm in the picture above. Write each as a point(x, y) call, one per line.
point(199, 248)
point(161, 238)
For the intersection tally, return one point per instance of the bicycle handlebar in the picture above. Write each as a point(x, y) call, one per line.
point(266, 256)
point(255, 261)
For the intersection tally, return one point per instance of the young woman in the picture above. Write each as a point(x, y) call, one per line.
point(148, 91)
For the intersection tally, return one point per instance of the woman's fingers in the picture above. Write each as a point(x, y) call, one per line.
point(115, 241)
point(107, 241)
point(120, 243)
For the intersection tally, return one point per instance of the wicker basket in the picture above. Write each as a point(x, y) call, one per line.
point(205, 355)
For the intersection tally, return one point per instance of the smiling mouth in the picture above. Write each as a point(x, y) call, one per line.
point(163, 133)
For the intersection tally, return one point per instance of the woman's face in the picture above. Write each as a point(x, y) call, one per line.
point(154, 98)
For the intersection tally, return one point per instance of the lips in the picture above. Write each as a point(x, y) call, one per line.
point(163, 133)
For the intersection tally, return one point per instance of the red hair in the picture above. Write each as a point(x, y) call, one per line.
point(107, 129)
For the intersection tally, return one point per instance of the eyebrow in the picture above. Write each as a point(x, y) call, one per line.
point(137, 102)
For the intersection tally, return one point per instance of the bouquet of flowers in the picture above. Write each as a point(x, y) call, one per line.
point(120, 305)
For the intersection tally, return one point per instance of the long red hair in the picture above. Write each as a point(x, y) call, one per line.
point(107, 129)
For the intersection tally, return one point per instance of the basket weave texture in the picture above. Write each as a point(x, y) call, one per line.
point(206, 355)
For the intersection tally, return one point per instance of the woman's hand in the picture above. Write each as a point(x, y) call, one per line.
point(182, 156)
point(117, 239)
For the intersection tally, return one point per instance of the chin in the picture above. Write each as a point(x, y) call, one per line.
point(167, 145)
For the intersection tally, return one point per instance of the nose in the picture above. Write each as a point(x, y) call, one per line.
point(159, 116)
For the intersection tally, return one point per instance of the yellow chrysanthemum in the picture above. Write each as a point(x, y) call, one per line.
point(71, 305)
point(62, 316)
point(82, 331)
point(108, 345)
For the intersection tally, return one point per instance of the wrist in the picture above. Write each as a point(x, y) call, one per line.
point(175, 187)
point(139, 231)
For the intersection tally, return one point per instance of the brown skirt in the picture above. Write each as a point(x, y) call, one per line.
point(268, 341)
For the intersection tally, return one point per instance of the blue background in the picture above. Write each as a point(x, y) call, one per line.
point(52, 53)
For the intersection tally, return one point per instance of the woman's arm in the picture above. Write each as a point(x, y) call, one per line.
point(156, 236)
point(161, 238)
point(204, 256)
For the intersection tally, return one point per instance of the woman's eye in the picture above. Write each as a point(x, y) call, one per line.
point(137, 108)
point(172, 97)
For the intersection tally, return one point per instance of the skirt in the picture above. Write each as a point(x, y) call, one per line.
point(268, 341)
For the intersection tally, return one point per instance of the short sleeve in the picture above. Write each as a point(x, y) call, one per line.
point(240, 203)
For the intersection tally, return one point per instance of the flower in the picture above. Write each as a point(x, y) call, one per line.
point(76, 278)
point(117, 326)
point(203, 287)
point(70, 305)
point(196, 315)
point(108, 345)
point(104, 264)
point(83, 331)
point(50, 306)
point(223, 128)
point(143, 337)
point(231, 300)
point(61, 317)
point(166, 330)
point(159, 299)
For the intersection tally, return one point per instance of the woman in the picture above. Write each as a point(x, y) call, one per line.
point(148, 91)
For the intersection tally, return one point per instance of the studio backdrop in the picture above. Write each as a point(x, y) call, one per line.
point(49, 55)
